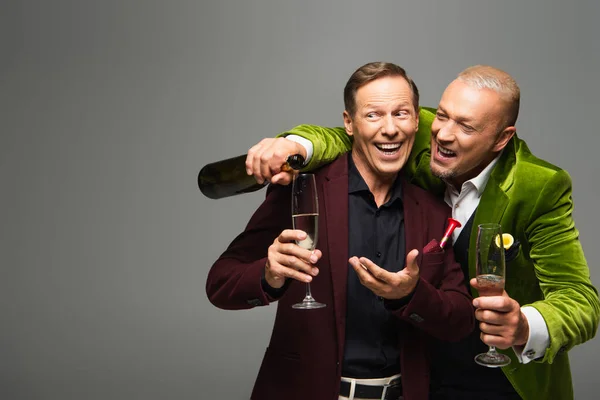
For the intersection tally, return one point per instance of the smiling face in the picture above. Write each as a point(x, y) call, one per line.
point(383, 126)
point(468, 132)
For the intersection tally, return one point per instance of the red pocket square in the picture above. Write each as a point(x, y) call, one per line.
point(432, 247)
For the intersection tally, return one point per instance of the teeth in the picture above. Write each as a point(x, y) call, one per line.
point(445, 151)
point(388, 146)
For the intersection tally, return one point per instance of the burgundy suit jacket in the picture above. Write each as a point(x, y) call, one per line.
point(303, 360)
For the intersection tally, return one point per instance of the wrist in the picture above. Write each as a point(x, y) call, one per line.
point(304, 147)
point(523, 331)
point(273, 281)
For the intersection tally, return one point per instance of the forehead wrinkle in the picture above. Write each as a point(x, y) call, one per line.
point(393, 102)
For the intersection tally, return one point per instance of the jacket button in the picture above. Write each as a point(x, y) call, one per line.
point(254, 302)
point(416, 317)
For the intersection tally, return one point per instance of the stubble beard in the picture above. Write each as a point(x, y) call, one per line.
point(444, 175)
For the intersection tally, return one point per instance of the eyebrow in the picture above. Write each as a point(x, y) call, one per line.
point(459, 119)
point(379, 104)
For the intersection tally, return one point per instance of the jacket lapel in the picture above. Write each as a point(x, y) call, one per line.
point(494, 199)
point(335, 193)
point(413, 220)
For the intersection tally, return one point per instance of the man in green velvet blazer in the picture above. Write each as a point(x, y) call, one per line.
point(549, 304)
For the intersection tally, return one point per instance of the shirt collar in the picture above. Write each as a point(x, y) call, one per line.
point(356, 183)
point(479, 182)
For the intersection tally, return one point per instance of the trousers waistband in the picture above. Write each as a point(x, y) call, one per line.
point(377, 388)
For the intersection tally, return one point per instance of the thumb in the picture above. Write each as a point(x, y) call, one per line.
point(473, 283)
point(282, 178)
point(411, 262)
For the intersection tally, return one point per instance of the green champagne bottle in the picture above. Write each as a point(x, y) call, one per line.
point(228, 177)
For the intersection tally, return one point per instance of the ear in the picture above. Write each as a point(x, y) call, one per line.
point(504, 137)
point(348, 123)
point(417, 119)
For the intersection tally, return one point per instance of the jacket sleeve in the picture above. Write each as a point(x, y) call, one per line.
point(417, 168)
point(234, 280)
point(570, 306)
point(328, 143)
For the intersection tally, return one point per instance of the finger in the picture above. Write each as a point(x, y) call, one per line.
point(291, 235)
point(315, 256)
point(282, 178)
point(288, 256)
point(411, 262)
point(494, 340)
point(474, 284)
point(495, 303)
point(250, 158)
point(363, 273)
point(279, 151)
point(286, 244)
point(282, 271)
point(264, 164)
point(377, 272)
point(355, 263)
point(490, 317)
point(256, 163)
point(491, 329)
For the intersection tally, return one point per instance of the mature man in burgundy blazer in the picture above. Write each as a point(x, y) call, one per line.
point(368, 306)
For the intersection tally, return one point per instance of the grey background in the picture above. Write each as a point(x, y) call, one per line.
point(109, 108)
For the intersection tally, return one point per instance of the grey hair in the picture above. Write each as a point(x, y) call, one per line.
point(486, 77)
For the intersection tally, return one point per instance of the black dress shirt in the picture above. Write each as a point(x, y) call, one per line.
point(371, 349)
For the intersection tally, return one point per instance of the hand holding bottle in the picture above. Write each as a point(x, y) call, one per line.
point(265, 160)
point(229, 177)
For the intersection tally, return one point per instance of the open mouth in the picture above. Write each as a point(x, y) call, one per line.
point(388, 149)
point(444, 152)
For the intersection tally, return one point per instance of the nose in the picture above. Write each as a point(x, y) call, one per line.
point(389, 126)
point(442, 131)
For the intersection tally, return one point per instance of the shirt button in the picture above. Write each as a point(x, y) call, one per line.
point(377, 213)
point(378, 254)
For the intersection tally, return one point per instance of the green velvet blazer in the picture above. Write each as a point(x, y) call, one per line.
point(532, 201)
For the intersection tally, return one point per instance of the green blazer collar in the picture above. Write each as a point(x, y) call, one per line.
point(494, 198)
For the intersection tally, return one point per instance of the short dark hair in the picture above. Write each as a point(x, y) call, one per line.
point(370, 72)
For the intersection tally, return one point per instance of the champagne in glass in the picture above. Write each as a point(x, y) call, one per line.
point(309, 224)
point(490, 278)
point(305, 217)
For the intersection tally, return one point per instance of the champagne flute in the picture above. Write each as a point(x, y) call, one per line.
point(490, 279)
point(305, 217)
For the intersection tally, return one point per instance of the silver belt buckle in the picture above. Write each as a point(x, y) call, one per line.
point(393, 382)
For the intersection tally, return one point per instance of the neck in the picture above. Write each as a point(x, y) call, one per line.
point(379, 185)
point(381, 193)
point(458, 181)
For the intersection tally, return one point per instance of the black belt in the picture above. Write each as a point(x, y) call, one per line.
point(393, 392)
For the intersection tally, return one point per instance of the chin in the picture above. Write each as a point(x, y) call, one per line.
point(442, 173)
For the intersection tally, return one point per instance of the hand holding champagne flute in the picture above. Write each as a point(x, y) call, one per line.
point(305, 217)
point(490, 280)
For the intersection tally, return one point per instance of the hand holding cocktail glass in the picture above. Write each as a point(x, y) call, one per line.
point(305, 217)
point(491, 270)
point(293, 254)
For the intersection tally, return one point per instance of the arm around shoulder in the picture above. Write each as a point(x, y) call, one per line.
point(328, 143)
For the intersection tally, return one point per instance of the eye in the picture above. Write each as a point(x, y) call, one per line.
point(466, 128)
point(371, 115)
point(402, 113)
point(441, 116)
